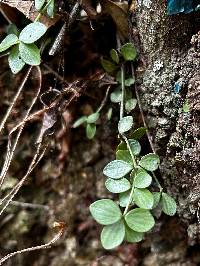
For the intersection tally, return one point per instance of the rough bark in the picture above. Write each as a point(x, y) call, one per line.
point(170, 60)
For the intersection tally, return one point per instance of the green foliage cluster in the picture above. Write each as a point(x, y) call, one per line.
point(131, 176)
point(22, 46)
point(89, 122)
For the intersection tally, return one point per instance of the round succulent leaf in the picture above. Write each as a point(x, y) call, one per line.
point(124, 155)
point(129, 82)
point(15, 62)
point(30, 54)
point(132, 236)
point(39, 4)
point(10, 40)
point(124, 198)
point(105, 211)
point(93, 118)
point(119, 76)
point(135, 146)
point(108, 65)
point(79, 121)
point(140, 220)
point(138, 133)
point(113, 235)
point(130, 105)
point(122, 146)
point(143, 198)
point(118, 185)
point(32, 32)
point(168, 204)
point(12, 29)
point(90, 131)
point(114, 55)
point(51, 9)
point(150, 162)
point(117, 169)
point(116, 96)
point(142, 179)
point(125, 124)
point(156, 197)
point(128, 51)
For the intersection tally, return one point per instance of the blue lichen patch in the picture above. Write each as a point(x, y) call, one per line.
point(182, 6)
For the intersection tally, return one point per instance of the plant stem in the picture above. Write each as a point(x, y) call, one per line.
point(129, 201)
point(42, 11)
point(129, 148)
point(157, 182)
point(123, 92)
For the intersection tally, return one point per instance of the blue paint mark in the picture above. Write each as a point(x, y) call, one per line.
point(182, 6)
point(177, 87)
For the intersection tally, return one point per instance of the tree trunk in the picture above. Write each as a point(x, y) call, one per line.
point(169, 86)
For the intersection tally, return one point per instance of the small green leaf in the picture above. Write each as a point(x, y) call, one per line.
point(117, 169)
point(186, 107)
point(117, 186)
point(90, 131)
point(79, 121)
point(129, 82)
point(142, 179)
point(113, 235)
point(105, 211)
point(114, 56)
point(93, 118)
point(108, 65)
point(150, 162)
point(135, 146)
point(138, 133)
point(140, 220)
point(15, 62)
point(12, 29)
point(39, 4)
point(109, 113)
point(124, 198)
point(119, 77)
point(29, 53)
point(132, 236)
point(125, 124)
point(124, 155)
point(116, 96)
point(168, 204)
point(128, 51)
point(143, 198)
point(9, 41)
point(156, 196)
point(130, 105)
point(50, 9)
point(122, 146)
point(32, 32)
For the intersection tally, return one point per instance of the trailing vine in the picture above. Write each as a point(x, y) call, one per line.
point(131, 176)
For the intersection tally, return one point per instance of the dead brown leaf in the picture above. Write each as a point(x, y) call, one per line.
point(118, 11)
point(28, 9)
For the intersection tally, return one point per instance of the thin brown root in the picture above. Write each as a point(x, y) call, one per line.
point(36, 159)
point(11, 150)
point(15, 99)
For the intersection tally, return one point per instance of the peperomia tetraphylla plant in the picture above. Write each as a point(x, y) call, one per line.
point(130, 176)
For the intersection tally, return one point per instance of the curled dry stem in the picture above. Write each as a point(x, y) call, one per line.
point(11, 148)
point(59, 225)
point(36, 159)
